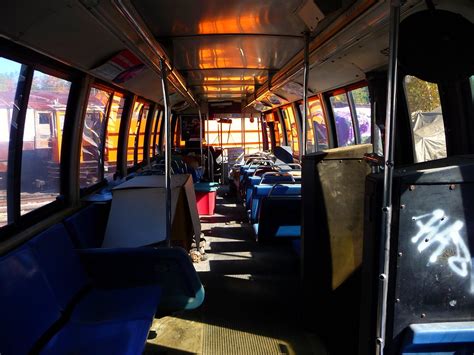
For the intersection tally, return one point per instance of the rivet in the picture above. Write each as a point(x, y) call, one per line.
point(402, 207)
point(452, 187)
point(397, 300)
point(412, 187)
point(382, 277)
point(379, 341)
point(423, 315)
point(400, 254)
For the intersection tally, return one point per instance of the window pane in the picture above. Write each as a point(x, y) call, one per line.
point(310, 141)
point(291, 128)
point(132, 132)
point(342, 115)
point(426, 119)
point(363, 112)
point(93, 137)
point(112, 134)
point(42, 141)
point(318, 122)
point(155, 138)
point(141, 134)
point(9, 78)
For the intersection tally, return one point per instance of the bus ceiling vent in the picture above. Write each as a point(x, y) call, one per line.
point(435, 46)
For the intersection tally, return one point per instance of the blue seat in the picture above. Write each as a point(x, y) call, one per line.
point(260, 191)
point(279, 216)
point(51, 305)
point(87, 226)
point(252, 181)
point(439, 338)
point(171, 268)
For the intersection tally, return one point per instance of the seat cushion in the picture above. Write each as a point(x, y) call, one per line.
point(118, 338)
point(117, 304)
point(27, 306)
point(60, 263)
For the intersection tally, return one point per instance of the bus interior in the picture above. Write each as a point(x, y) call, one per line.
point(239, 177)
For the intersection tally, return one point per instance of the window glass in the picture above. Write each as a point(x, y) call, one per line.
point(157, 133)
point(93, 137)
point(132, 132)
point(426, 119)
point(291, 128)
point(316, 127)
point(112, 135)
point(310, 140)
point(42, 139)
point(140, 139)
point(342, 114)
point(362, 107)
point(9, 80)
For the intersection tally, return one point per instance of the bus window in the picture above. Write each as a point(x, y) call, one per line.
point(157, 135)
point(140, 138)
point(9, 80)
point(132, 132)
point(342, 115)
point(152, 147)
point(291, 128)
point(111, 137)
point(316, 131)
point(426, 119)
point(93, 137)
point(361, 100)
point(42, 138)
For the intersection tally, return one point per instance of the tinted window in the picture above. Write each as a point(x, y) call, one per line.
point(93, 137)
point(42, 139)
point(360, 98)
point(426, 119)
point(111, 141)
point(342, 115)
point(140, 139)
point(9, 78)
point(291, 128)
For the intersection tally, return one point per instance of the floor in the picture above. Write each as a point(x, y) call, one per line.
point(251, 304)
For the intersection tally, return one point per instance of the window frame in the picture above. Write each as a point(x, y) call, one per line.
point(34, 61)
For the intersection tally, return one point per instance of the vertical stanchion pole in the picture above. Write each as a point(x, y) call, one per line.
point(200, 134)
point(167, 118)
point(305, 96)
point(383, 275)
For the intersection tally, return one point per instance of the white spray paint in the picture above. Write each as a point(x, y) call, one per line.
point(441, 231)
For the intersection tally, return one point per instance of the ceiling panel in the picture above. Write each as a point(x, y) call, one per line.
point(225, 76)
point(190, 17)
point(256, 52)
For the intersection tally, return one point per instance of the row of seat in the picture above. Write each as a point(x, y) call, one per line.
point(61, 293)
point(272, 196)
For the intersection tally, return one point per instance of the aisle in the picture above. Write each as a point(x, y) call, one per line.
point(251, 304)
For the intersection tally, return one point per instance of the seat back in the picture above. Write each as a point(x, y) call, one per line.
point(260, 191)
point(279, 217)
point(87, 227)
point(28, 306)
point(60, 263)
point(277, 177)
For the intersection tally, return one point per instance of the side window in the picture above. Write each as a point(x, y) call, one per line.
point(132, 132)
point(426, 119)
point(362, 110)
point(155, 139)
point(112, 134)
point(352, 111)
point(140, 139)
point(42, 139)
point(342, 114)
point(291, 128)
point(9, 81)
point(317, 123)
point(93, 134)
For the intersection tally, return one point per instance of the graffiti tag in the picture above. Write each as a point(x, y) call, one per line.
point(440, 231)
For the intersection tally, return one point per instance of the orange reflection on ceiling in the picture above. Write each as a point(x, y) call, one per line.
point(241, 24)
point(227, 88)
